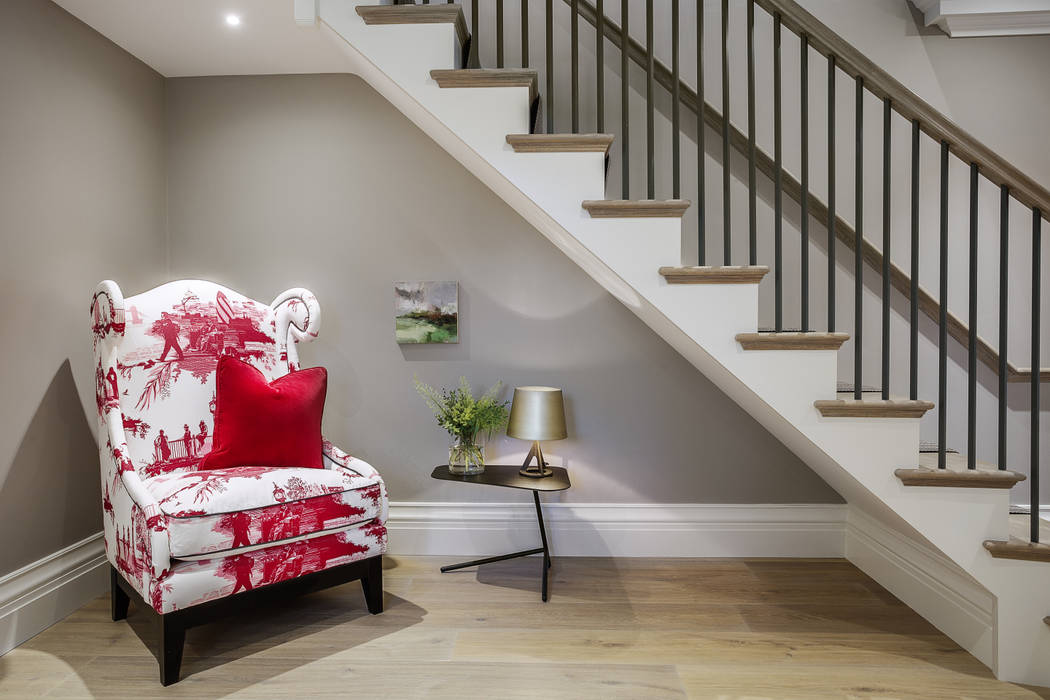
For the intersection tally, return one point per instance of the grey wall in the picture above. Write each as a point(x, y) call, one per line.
point(81, 199)
point(986, 85)
point(317, 181)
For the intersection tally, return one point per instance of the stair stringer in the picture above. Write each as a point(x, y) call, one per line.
point(855, 456)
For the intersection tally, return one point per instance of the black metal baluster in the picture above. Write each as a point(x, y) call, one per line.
point(727, 247)
point(575, 54)
point(676, 98)
point(1033, 477)
point(499, 33)
point(887, 135)
point(701, 128)
point(599, 60)
point(805, 180)
point(971, 365)
point(650, 105)
point(524, 33)
point(942, 331)
point(831, 194)
point(913, 341)
point(549, 68)
point(625, 133)
point(475, 39)
point(1004, 279)
point(778, 183)
point(858, 255)
point(752, 184)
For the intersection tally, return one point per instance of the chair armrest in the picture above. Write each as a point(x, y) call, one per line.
point(336, 456)
point(298, 320)
point(158, 544)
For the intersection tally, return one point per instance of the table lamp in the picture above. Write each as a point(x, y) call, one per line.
point(536, 413)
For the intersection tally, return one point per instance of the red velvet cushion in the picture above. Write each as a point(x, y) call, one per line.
point(266, 424)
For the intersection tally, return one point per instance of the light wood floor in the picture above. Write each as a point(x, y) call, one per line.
point(615, 628)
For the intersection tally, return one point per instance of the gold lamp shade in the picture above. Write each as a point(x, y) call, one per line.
point(537, 413)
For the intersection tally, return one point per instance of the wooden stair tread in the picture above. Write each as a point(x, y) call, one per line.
point(1016, 548)
point(847, 388)
point(953, 459)
point(415, 14)
point(865, 408)
point(487, 78)
point(1021, 527)
point(560, 143)
point(791, 341)
point(728, 274)
point(632, 208)
point(961, 478)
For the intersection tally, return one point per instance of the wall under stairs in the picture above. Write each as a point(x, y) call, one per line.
point(857, 456)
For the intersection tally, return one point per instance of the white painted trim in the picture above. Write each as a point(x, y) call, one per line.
point(1044, 511)
point(926, 581)
point(620, 530)
point(305, 12)
point(40, 594)
point(968, 18)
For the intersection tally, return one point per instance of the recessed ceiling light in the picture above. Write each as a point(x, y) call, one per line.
point(233, 20)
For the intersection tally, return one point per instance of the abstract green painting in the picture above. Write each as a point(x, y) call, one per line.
point(426, 312)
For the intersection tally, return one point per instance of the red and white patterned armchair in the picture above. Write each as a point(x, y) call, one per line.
point(190, 544)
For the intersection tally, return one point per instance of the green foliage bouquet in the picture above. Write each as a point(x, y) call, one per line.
point(462, 415)
point(466, 418)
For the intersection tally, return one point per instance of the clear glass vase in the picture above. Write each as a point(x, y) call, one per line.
point(466, 456)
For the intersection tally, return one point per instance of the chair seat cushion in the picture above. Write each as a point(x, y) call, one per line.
point(218, 512)
point(199, 581)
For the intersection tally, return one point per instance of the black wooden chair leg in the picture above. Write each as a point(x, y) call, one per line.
point(372, 583)
point(118, 599)
point(172, 636)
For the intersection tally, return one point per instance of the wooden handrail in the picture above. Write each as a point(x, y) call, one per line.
point(909, 105)
point(818, 209)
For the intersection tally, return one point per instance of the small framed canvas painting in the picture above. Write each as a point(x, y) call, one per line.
point(426, 312)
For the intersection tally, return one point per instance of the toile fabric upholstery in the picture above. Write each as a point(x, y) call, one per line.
point(181, 535)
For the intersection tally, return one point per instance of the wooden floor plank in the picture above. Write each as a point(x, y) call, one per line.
point(614, 628)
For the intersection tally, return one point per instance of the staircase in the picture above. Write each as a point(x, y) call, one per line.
point(867, 449)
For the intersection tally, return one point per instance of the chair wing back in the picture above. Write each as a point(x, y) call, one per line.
point(156, 355)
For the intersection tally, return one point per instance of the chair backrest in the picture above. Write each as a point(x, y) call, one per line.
point(156, 355)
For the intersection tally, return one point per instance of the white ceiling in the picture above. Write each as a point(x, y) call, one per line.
point(190, 37)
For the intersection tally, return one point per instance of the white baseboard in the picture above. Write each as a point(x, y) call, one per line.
point(40, 594)
point(620, 530)
point(926, 581)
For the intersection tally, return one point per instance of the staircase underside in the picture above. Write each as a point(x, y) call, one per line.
point(635, 259)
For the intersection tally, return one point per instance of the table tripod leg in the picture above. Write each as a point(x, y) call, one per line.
point(489, 560)
point(546, 547)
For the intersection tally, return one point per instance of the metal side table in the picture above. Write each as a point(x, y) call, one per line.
point(508, 476)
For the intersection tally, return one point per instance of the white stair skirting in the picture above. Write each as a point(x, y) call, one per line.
point(40, 594)
point(926, 581)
